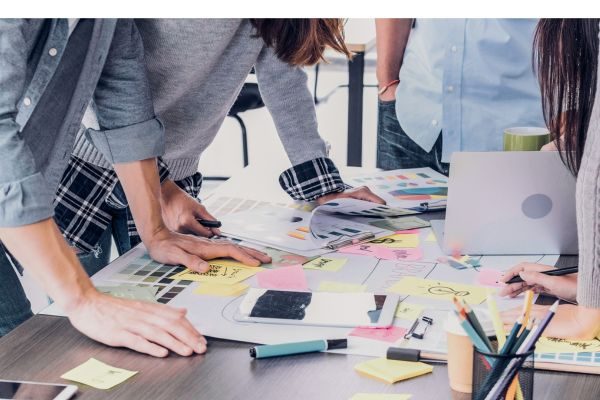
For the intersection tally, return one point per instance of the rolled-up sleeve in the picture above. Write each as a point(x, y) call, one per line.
point(129, 130)
point(25, 196)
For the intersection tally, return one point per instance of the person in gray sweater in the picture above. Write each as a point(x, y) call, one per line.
point(196, 69)
point(567, 63)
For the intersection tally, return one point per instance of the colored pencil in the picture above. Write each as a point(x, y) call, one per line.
point(475, 322)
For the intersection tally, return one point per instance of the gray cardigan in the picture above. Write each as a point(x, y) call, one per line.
point(196, 69)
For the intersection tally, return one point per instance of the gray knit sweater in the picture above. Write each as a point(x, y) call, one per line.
point(588, 214)
point(196, 69)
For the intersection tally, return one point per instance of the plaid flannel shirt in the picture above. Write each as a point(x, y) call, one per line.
point(87, 193)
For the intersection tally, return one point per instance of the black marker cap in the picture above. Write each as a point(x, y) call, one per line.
point(252, 352)
point(333, 344)
point(402, 354)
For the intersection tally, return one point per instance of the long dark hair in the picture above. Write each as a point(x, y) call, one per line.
point(302, 41)
point(566, 58)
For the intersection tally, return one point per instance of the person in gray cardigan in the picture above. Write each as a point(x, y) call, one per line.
point(196, 69)
point(49, 71)
point(567, 62)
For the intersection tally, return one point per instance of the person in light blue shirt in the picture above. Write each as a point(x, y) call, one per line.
point(450, 85)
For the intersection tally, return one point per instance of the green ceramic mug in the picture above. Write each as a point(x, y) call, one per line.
point(525, 138)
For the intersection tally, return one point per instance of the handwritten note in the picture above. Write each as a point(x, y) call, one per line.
point(434, 289)
point(489, 277)
point(392, 371)
point(381, 396)
point(219, 273)
point(326, 264)
point(144, 293)
point(98, 374)
point(285, 278)
point(398, 240)
point(386, 253)
point(409, 311)
point(554, 345)
point(341, 287)
point(362, 249)
point(391, 334)
point(216, 289)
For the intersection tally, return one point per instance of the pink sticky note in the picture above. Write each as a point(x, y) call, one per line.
point(385, 334)
point(408, 232)
point(489, 277)
point(286, 278)
point(360, 249)
point(387, 253)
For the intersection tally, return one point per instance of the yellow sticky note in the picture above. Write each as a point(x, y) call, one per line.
point(554, 345)
point(408, 240)
point(391, 371)
point(221, 274)
point(434, 289)
point(326, 264)
point(340, 287)
point(217, 289)
point(381, 396)
point(431, 237)
point(97, 374)
point(409, 311)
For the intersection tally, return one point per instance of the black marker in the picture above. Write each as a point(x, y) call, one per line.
point(552, 272)
point(207, 223)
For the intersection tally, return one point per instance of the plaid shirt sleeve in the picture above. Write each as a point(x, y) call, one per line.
point(163, 169)
point(312, 179)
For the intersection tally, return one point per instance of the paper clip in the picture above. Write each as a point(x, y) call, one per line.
point(419, 328)
point(348, 240)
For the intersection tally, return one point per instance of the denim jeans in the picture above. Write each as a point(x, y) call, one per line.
point(15, 308)
point(395, 149)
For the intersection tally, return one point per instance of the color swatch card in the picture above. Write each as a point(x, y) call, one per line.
point(400, 223)
point(440, 290)
point(292, 230)
point(360, 208)
point(392, 371)
point(419, 189)
point(98, 374)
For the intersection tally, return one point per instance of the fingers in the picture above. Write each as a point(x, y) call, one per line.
point(534, 278)
point(259, 255)
point(139, 344)
point(365, 194)
point(157, 334)
point(189, 259)
point(202, 212)
point(193, 226)
point(514, 289)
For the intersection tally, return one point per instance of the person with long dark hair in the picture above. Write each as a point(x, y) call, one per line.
point(566, 57)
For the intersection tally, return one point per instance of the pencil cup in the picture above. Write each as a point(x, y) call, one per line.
point(460, 357)
point(486, 375)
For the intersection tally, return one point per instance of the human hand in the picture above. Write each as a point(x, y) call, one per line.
point(149, 328)
point(181, 212)
point(570, 321)
point(360, 193)
point(192, 251)
point(563, 287)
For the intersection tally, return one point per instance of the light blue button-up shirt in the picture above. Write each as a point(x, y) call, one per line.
point(469, 79)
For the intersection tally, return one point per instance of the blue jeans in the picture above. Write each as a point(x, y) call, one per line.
point(395, 149)
point(15, 308)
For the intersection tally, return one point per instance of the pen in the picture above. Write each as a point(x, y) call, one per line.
point(286, 349)
point(552, 272)
point(207, 223)
point(404, 354)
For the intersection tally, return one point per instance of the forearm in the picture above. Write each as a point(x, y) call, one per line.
point(43, 252)
point(142, 187)
point(392, 36)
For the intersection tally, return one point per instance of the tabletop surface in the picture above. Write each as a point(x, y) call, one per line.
point(45, 347)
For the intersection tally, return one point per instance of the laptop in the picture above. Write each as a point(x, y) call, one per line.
point(509, 203)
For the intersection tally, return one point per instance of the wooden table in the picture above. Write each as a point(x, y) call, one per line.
point(45, 347)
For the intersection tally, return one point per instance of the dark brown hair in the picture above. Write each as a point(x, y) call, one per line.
point(302, 41)
point(566, 59)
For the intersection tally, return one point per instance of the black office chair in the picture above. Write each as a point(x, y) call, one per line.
point(248, 99)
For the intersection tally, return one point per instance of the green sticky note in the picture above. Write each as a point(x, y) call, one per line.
point(145, 293)
point(341, 287)
point(98, 374)
point(326, 264)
